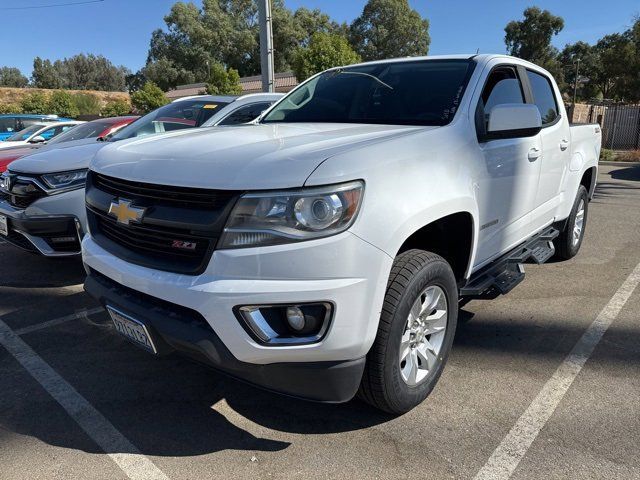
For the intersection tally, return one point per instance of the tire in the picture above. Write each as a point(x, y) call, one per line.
point(388, 382)
point(569, 241)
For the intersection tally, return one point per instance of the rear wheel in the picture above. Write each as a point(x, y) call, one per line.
point(570, 239)
point(415, 333)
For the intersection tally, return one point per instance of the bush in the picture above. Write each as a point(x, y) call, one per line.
point(61, 103)
point(87, 104)
point(607, 155)
point(630, 156)
point(35, 102)
point(148, 98)
point(10, 108)
point(116, 108)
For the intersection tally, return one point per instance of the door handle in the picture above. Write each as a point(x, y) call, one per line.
point(534, 154)
point(564, 144)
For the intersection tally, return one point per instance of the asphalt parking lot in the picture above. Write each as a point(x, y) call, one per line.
point(78, 401)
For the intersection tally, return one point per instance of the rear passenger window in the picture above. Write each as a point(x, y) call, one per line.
point(544, 97)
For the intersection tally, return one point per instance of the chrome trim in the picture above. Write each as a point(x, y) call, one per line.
point(43, 247)
point(48, 190)
point(256, 322)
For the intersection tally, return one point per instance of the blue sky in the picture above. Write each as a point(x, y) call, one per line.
point(121, 29)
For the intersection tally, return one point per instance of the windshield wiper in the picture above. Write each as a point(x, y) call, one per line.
point(340, 71)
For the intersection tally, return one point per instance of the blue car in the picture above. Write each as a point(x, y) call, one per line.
point(10, 124)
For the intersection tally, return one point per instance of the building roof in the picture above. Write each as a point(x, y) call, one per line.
point(284, 83)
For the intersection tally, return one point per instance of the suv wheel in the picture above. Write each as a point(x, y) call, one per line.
point(415, 333)
point(569, 241)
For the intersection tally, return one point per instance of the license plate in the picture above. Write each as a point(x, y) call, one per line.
point(132, 329)
point(4, 227)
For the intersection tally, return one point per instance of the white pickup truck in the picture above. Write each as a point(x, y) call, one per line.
point(324, 249)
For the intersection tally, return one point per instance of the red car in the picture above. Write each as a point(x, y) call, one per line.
point(98, 129)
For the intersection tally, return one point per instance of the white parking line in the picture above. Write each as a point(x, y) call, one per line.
point(135, 465)
point(514, 446)
point(57, 321)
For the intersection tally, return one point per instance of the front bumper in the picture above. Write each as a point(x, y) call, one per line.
point(185, 331)
point(48, 235)
point(342, 270)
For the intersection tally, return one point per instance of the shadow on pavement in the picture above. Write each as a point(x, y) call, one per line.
point(22, 269)
point(627, 173)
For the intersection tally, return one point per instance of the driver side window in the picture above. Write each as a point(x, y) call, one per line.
point(502, 86)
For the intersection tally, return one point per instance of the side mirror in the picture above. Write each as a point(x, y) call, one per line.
point(513, 120)
point(38, 139)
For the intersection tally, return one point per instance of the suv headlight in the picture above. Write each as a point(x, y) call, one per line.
point(66, 180)
point(273, 218)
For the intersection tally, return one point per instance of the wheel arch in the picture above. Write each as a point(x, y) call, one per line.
point(451, 236)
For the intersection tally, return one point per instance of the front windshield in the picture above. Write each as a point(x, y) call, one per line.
point(84, 130)
point(423, 92)
point(24, 134)
point(174, 116)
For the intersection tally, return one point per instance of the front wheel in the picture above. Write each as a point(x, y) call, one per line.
point(570, 239)
point(415, 333)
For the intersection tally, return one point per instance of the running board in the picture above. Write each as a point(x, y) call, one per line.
point(502, 275)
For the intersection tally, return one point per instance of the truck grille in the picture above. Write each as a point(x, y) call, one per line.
point(178, 231)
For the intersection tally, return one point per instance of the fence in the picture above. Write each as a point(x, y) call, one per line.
point(620, 123)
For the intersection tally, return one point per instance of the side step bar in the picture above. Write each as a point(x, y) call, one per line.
point(502, 275)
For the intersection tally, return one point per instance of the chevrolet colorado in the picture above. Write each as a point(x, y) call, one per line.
point(323, 250)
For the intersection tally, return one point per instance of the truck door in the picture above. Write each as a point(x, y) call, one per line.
point(507, 179)
point(555, 146)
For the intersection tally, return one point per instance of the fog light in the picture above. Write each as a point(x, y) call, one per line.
point(295, 318)
point(63, 239)
point(286, 324)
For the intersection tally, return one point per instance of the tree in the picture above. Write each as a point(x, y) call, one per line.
point(227, 32)
point(116, 108)
point(80, 72)
point(613, 75)
point(12, 77)
point(530, 39)
point(35, 102)
point(86, 103)
point(389, 28)
point(45, 75)
point(583, 58)
point(148, 98)
point(61, 103)
point(325, 51)
point(223, 81)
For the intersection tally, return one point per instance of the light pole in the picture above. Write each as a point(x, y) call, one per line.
point(266, 45)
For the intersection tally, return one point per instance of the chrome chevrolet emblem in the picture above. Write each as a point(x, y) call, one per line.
point(124, 212)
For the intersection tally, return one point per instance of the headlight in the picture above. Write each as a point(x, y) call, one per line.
point(66, 180)
point(273, 218)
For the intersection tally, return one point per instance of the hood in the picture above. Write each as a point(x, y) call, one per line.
point(266, 156)
point(63, 157)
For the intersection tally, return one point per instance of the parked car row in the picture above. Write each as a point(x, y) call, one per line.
point(322, 249)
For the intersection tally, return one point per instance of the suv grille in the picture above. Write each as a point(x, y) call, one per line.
point(179, 229)
point(23, 193)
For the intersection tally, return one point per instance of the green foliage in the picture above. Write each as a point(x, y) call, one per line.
point(325, 51)
point(35, 102)
point(12, 77)
point(227, 32)
point(87, 104)
point(80, 72)
point(583, 58)
point(148, 98)
point(10, 108)
point(607, 155)
point(61, 103)
point(223, 81)
point(116, 108)
point(530, 39)
point(388, 29)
